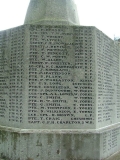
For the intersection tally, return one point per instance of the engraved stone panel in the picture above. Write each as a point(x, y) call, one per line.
point(16, 75)
point(108, 98)
point(58, 77)
point(4, 83)
point(11, 76)
point(61, 77)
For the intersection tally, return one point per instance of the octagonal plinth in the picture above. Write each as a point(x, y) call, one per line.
point(39, 144)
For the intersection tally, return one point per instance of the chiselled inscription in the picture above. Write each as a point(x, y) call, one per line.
point(16, 75)
point(3, 75)
point(108, 80)
point(62, 75)
point(110, 140)
point(61, 88)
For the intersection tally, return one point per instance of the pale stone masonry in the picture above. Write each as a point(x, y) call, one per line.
point(52, 12)
point(59, 77)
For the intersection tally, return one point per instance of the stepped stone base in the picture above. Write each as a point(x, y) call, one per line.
point(26, 144)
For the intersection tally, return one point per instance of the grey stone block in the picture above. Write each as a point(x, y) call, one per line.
point(58, 77)
point(46, 144)
point(52, 12)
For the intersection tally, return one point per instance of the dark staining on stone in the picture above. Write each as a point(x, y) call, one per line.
point(78, 142)
point(58, 152)
point(15, 137)
point(4, 157)
point(30, 159)
point(39, 143)
point(67, 143)
point(50, 139)
point(3, 136)
point(25, 135)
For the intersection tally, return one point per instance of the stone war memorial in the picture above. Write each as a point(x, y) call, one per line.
point(59, 87)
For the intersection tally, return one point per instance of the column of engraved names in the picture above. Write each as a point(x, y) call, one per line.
point(117, 78)
point(51, 56)
point(84, 66)
point(35, 100)
point(3, 75)
point(53, 78)
point(107, 78)
point(58, 75)
point(110, 140)
point(16, 75)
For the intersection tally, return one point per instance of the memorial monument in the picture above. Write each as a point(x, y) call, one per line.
point(59, 87)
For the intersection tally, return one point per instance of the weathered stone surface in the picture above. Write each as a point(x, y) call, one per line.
point(58, 77)
point(52, 12)
point(46, 144)
point(115, 156)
